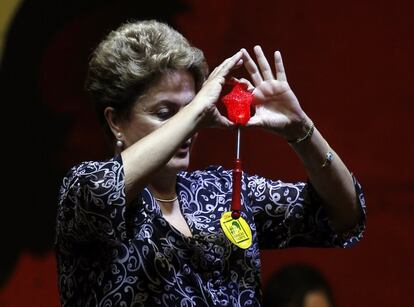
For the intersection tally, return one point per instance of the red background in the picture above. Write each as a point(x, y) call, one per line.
point(350, 64)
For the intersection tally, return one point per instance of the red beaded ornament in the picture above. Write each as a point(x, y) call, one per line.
point(238, 103)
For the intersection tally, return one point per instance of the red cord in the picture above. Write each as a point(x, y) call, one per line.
point(236, 200)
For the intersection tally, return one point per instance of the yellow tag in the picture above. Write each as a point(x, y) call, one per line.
point(236, 230)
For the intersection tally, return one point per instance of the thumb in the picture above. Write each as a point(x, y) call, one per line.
point(221, 121)
point(254, 122)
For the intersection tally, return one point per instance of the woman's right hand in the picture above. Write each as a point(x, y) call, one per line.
point(210, 92)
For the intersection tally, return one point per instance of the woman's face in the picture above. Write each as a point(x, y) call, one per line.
point(173, 91)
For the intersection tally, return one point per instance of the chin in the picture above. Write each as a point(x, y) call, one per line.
point(178, 164)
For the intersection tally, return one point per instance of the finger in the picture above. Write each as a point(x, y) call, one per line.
point(251, 68)
point(263, 63)
point(238, 64)
point(234, 81)
point(224, 68)
point(253, 122)
point(231, 63)
point(280, 69)
point(221, 121)
point(250, 86)
point(224, 122)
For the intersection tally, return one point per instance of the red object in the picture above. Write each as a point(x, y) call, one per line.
point(238, 103)
point(236, 201)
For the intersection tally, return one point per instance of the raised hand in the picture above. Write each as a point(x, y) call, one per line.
point(277, 108)
point(211, 90)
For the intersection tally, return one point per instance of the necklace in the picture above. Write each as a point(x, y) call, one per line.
point(165, 200)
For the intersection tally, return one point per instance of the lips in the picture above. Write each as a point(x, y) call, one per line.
point(186, 145)
point(184, 148)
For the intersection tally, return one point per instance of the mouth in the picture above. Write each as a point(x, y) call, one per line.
point(186, 145)
point(184, 148)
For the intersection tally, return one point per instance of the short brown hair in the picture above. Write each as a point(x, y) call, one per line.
point(132, 57)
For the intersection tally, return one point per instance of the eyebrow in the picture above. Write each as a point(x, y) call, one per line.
point(164, 102)
point(170, 102)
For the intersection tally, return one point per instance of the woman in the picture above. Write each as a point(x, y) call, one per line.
point(139, 230)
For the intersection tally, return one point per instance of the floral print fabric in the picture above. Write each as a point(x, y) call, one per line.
point(113, 254)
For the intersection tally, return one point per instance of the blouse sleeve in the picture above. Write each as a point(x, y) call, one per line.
point(92, 202)
point(291, 215)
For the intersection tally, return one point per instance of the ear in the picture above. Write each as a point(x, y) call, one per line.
point(112, 120)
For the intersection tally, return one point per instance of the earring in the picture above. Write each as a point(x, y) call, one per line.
point(119, 142)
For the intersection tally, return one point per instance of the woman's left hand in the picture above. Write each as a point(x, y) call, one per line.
point(277, 108)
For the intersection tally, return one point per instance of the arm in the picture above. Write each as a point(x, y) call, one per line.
point(333, 183)
point(279, 112)
point(94, 196)
point(141, 161)
point(291, 215)
point(90, 205)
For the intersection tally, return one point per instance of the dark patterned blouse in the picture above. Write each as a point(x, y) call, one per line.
point(110, 254)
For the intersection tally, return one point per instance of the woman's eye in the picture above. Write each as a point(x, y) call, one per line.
point(164, 114)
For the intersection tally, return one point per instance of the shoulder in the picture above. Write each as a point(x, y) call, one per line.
point(94, 169)
point(212, 171)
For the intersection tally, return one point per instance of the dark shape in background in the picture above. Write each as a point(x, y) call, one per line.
point(293, 284)
point(350, 63)
point(48, 121)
